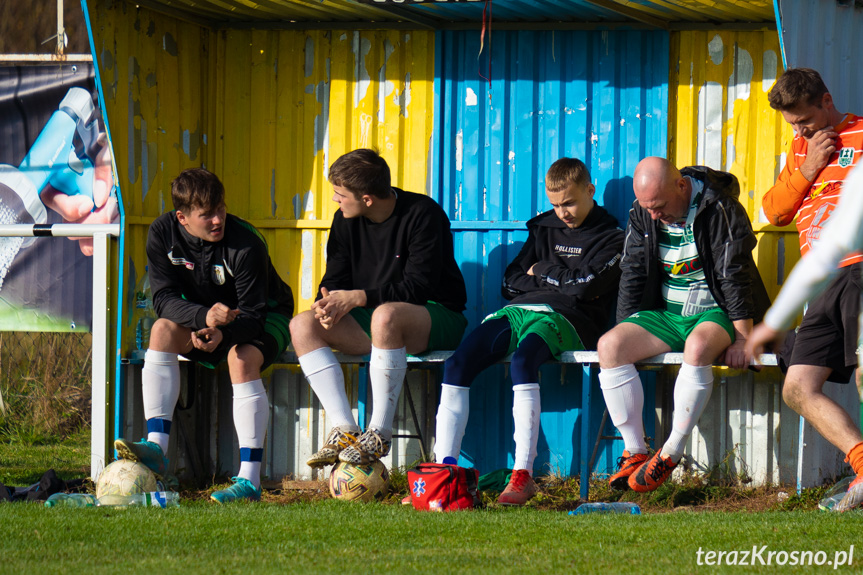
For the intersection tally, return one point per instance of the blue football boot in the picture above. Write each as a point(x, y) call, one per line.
point(145, 452)
point(241, 489)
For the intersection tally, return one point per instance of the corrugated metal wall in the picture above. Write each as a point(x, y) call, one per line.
point(598, 96)
point(269, 111)
point(827, 35)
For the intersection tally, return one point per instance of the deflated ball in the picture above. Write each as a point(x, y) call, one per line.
point(125, 477)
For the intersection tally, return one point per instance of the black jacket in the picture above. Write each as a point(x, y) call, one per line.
point(576, 271)
point(724, 239)
point(188, 276)
point(407, 258)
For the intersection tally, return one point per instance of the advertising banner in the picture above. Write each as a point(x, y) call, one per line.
point(55, 167)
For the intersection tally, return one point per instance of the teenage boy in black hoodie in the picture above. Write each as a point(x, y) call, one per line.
point(562, 287)
point(688, 284)
point(392, 287)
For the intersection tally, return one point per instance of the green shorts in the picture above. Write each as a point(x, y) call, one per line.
point(272, 342)
point(447, 326)
point(673, 329)
point(554, 329)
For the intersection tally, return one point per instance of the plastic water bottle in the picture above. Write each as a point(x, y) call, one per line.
point(144, 314)
point(835, 494)
point(616, 507)
point(152, 499)
point(71, 500)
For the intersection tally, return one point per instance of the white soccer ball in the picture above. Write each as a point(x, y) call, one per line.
point(125, 477)
point(359, 482)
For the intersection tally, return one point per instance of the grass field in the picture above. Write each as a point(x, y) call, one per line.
point(336, 537)
point(302, 531)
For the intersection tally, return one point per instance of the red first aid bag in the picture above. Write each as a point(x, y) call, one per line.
point(441, 487)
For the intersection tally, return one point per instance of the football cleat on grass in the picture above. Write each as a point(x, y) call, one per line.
point(145, 452)
point(406, 500)
point(853, 497)
point(337, 440)
point(520, 489)
point(241, 489)
point(370, 447)
point(627, 464)
point(652, 473)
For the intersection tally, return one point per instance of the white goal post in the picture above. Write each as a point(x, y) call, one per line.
point(101, 234)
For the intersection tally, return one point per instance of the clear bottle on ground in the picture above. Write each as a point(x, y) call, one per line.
point(71, 500)
point(152, 499)
point(615, 507)
point(144, 315)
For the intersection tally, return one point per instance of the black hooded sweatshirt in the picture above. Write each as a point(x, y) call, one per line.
point(576, 270)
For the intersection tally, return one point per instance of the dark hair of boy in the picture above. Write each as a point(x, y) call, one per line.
point(363, 172)
point(197, 188)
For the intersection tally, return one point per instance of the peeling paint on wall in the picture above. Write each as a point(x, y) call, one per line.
point(770, 66)
point(322, 123)
point(273, 204)
point(169, 44)
point(716, 50)
point(307, 289)
point(309, 51)
point(709, 150)
point(404, 99)
point(361, 47)
point(470, 98)
point(385, 87)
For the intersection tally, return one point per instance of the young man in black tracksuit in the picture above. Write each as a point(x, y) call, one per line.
point(561, 287)
point(218, 297)
point(688, 284)
point(392, 287)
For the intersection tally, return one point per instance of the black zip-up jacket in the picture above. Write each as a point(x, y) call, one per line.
point(407, 258)
point(188, 276)
point(724, 239)
point(576, 271)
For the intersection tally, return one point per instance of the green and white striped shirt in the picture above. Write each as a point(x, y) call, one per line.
point(684, 288)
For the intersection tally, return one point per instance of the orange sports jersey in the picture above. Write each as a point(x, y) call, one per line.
point(813, 202)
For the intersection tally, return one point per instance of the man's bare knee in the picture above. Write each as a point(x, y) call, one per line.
point(698, 350)
point(244, 362)
point(169, 336)
point(608, 348)
point(302, 325)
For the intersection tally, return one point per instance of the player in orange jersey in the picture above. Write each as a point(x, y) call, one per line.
point(827, 144)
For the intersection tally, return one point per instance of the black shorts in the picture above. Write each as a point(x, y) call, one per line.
point(827, 337)
point(271, 343)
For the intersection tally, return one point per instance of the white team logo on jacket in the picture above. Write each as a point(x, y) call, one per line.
point(219, 274)
point(846, 156)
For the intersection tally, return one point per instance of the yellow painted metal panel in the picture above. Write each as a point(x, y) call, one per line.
point(720, 117)
point(287, 104)
point(268, 111)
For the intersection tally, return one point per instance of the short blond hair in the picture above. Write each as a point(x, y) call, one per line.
point(564, 172)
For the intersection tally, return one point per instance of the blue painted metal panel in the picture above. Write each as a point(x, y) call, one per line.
point(598, 96)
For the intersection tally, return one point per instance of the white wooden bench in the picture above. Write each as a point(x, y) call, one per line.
point(589, 360)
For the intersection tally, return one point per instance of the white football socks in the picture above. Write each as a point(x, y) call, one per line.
point(387, 368)
point(624, 397)
point(525, 416)
point(325, 375)
point(160, 387)
point(251, 414)
point(692, 390)
point(452, 414)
